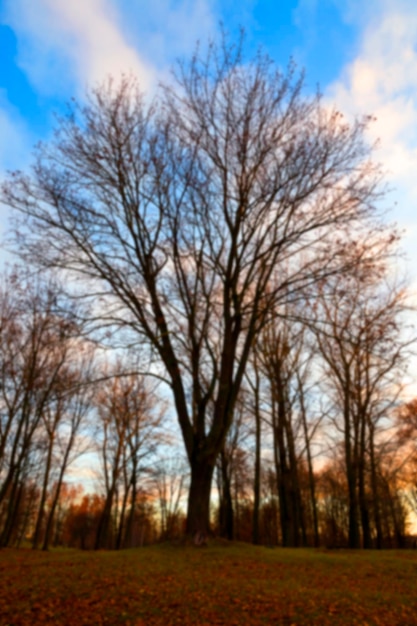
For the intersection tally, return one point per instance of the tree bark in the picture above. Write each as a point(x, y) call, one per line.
point(12, 510)
point(257, 476)
point(226, 502)
point(311, 479)
point(198, 512)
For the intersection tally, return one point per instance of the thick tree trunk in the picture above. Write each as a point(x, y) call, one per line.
point(12, 511)
point(226, 503)
point(103, 529)
point(198, 512)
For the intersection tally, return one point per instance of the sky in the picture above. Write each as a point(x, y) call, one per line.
point(362, 56)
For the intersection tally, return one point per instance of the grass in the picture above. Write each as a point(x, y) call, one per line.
point(222, 584)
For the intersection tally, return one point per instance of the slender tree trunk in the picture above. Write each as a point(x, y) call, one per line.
point(353, 509)
point(295, 491)
point(363, 501)
point(375, 489)
point(289, 525)
point(129, 526)
point(51, 516)
point(398, 532)
point(311, 480)
point(41, 510)
point(281, 472)
point(257, 477)
point(121, 528)
point(351, 472)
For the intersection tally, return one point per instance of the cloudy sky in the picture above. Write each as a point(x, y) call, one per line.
point(362, 55)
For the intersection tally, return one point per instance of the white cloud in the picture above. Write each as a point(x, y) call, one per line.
point(382, 81)
point(66, 45)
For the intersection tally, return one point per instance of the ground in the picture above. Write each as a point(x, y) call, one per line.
point(220, 584)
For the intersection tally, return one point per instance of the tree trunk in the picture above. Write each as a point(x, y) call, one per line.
point(121, 529)
point(375, 489)
point(353, 509)
point(286, 493)
point(363, 500)
point(12, 510)
point(295, 491)
point(128, 538)
point(226, 503)
point(51, 516)
point(198, 512)
point(311, 480)
point(351, 468)
point(257, 477)
point(103, 530)
point(41, 511)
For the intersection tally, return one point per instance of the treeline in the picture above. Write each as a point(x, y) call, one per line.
point(319, 452)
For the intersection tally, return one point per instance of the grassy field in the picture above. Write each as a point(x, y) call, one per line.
point(221, 584)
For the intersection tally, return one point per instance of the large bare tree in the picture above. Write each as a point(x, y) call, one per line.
point(176, 214)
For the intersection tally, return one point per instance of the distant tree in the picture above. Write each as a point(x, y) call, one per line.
point(36, 330)
point(232, 469)
point(363, 349)
point(280, 355)
point(169, 478)
point(333, 505)
point(74, 404)
point(176, 215)
point(129, 414)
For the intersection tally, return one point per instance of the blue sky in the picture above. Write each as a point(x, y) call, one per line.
point(362, 55)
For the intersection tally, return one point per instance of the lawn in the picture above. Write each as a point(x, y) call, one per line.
point(220, 584)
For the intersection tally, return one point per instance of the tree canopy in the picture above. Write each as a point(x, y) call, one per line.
point(192, 220)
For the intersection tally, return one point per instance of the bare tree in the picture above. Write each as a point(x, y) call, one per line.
point(169, 481)
point(74, 404)
point(177, 214)
point(285, 360)
point(34, 354)
point(129, 416)
point(363, 348)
